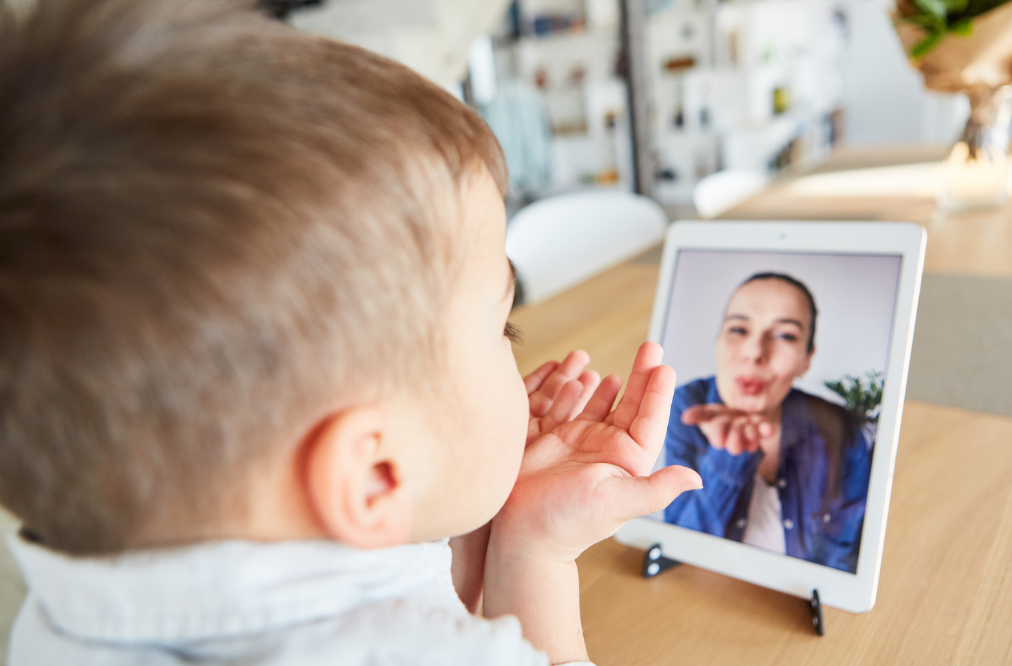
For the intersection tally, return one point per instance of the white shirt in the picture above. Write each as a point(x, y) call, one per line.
point(305, 603)
point(765, 527)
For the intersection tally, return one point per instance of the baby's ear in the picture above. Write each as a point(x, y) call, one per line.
point(353, 482)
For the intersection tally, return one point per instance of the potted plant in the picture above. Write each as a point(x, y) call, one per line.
point(863, 397)
point(966, 46)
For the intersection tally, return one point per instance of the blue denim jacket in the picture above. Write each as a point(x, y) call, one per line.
point(823, 480)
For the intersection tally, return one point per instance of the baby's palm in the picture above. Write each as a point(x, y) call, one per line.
point(586, 477)
point(590, 442)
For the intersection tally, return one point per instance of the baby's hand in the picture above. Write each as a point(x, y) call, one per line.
point(548, 409)
point(582, 480)
point(544, 387)
point(730, 429)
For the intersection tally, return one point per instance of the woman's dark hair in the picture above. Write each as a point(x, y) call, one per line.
point(800, 286)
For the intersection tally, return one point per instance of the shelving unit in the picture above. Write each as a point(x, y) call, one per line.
point(734, 84)
point(568, 50)
point(743, 84)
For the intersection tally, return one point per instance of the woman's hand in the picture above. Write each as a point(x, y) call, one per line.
point(730, 429)
point(544, 386)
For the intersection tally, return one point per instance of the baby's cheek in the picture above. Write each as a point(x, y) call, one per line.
point(520, 412)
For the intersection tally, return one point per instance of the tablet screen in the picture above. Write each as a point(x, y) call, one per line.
point(781, 359)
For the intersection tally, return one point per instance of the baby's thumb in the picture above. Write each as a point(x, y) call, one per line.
point(646, 494)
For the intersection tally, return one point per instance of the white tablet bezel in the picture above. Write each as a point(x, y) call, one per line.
point(851, 592)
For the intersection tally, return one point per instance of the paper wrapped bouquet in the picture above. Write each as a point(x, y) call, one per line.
point(958, 45)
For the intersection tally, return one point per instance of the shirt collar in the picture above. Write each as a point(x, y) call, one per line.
point(224, 588)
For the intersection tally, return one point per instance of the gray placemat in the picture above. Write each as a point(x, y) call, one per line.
point(962, 353)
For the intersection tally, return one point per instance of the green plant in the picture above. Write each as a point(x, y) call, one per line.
point(862, 396)
point(937, 18)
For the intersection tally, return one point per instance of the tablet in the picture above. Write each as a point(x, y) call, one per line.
point(791, 342)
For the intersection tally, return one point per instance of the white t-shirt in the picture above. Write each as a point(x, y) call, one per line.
point(302, 603)
point(765, 527)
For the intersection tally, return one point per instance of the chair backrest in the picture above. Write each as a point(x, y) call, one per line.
point(723, 190)
point(560, 241)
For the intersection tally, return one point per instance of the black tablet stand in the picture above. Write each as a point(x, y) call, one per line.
point(815, 608)
point(654, 563)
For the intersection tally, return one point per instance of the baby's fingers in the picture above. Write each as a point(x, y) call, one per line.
point(574, 362)
point(599, 405)
point(590, 380)
point(533, 381)
point(651, 421)
point(561, 411)
point(640, 495)
point(545, 395)
point(647, 358)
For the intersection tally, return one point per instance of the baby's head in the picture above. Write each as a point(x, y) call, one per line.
point(252, 285)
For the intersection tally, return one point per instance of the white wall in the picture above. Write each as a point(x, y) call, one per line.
point(854, 294)
point(433, 37)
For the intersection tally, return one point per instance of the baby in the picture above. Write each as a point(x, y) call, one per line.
point(255, 364)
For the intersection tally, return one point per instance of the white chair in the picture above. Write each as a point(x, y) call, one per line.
point(560, 241)
point(723, 190)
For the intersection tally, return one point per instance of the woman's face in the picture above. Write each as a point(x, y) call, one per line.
point(763, 345)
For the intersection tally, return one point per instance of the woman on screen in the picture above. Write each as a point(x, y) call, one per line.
point(782, 469)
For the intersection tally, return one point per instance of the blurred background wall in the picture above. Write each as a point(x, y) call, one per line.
point(741, 85)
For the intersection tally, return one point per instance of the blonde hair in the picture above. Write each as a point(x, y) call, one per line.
point(211, 225)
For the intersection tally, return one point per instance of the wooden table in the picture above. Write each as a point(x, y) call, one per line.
point(945, 594)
